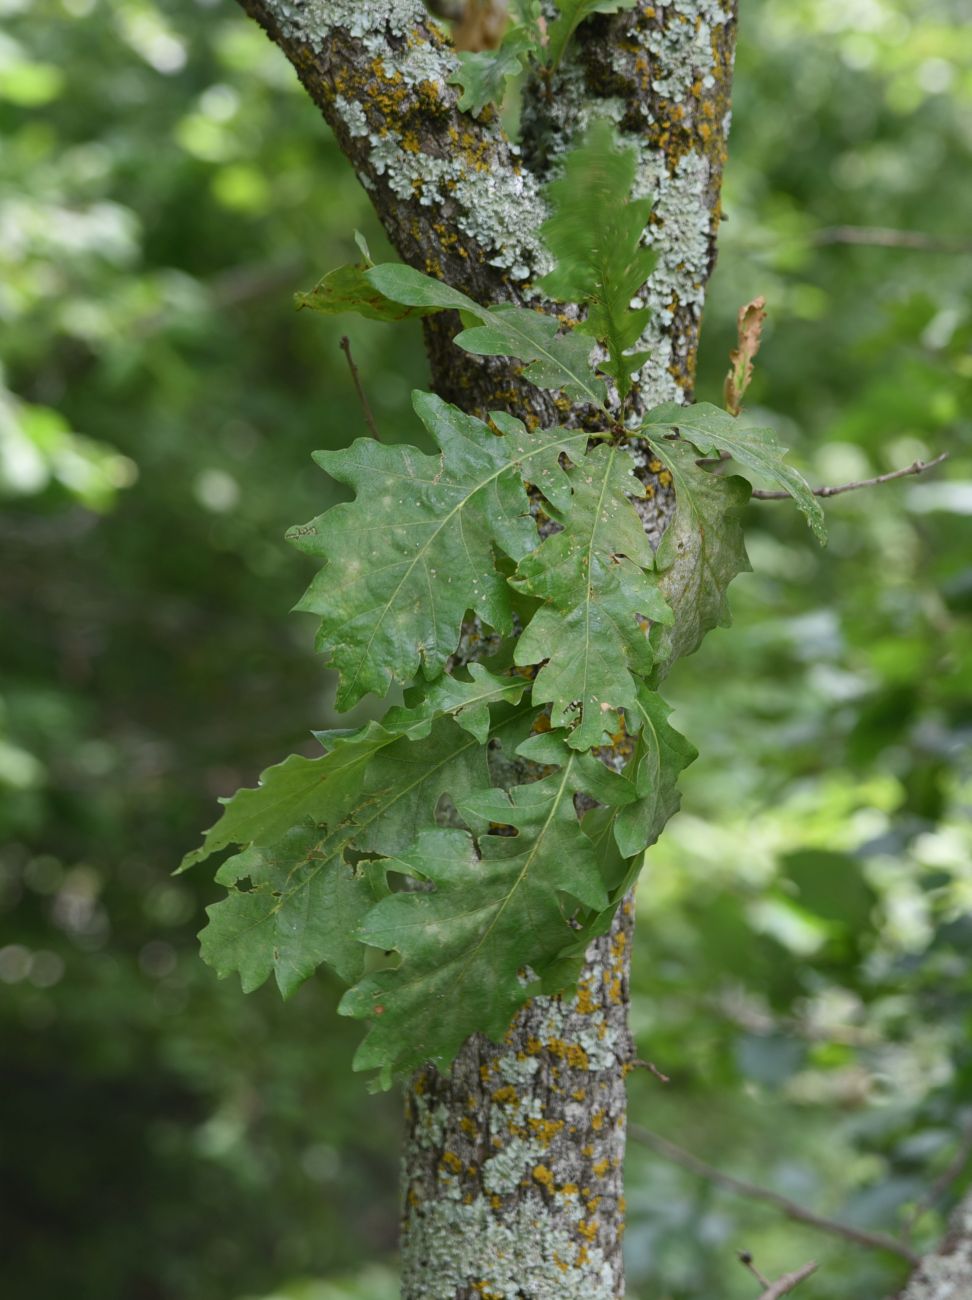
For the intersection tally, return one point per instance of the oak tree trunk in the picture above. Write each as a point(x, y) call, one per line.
point(513, 1163)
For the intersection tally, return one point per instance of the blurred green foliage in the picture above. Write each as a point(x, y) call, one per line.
point(804, 935)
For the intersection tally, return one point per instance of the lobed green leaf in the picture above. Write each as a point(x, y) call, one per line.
point(483, 75)
point(496, 910)
point(555, 359)
point(303, 908)
point(415, 550)
point(700, 552)
point(597, 590)
point(712, 430)
point(349, 289)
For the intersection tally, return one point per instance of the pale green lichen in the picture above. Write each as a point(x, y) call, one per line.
point(680, 235)
point(310, 20)
point(353, 116)
point(500, 210)
point(527, 1253)
point(681, 47)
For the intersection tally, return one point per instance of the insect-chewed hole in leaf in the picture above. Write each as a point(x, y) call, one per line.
point(446, 812)
point(355, 859)
point(401, 883)
point(584, 803)
point(501, 828)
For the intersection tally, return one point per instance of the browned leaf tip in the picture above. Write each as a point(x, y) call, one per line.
point(750, 329)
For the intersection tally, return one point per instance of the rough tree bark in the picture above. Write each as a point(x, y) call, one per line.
point(513, 1178)
point(946, 1273)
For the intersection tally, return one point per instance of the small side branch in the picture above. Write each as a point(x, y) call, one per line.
point(669, 1151)
point(788, 1282)
point(917, 467)
point(885, 237)
point(362, 398)
point(782, 1286)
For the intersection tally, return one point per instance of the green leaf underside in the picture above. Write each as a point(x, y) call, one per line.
point(396, 796)
point(555, 360)
point(592, 580)
point(595, 235)
point(711, 430)
point(415, 550)
point(572, 14)
point(483, 75)
point(627, 825)
point(464, 946)
point(512, 904)
point(700, 552)
point(661, 755)
point(293, 790)
point(468, 701)
point(303, 909)
point(348, 289)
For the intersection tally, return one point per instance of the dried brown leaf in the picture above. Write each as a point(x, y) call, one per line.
point(750, 327)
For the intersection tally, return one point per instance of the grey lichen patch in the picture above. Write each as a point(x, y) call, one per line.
point(353, 116)
point(466, 1249)
point(312, 20)
point(681, 46)
point(381, 73)
point(680, 233)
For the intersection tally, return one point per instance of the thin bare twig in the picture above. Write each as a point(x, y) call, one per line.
point(874, 1240)
point(652, 1068)
point(917, 467)
point(784, 1285)
point(356, 378)
point(942, 1183)
point(885, 237)
point(745, 1258)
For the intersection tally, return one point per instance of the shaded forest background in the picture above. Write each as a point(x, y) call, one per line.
point(804, 935)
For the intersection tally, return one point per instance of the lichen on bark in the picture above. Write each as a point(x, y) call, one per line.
point(946, 1273)
point(512, 1167)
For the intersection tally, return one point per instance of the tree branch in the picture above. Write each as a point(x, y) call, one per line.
point(884, 237)
point(788, 1282)
point(454, 199)
point(359, 389)
point(917, 467)
point(669, 1151)
point(664, 72)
